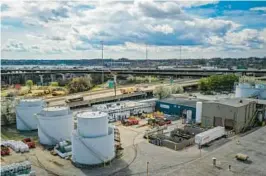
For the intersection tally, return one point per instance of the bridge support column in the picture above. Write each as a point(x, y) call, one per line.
point(10, 80)
point(63, 76)
point(41, 79)
point(52, 77)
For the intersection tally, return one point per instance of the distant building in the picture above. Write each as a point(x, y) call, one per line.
point(233, 113)
point(178, 107)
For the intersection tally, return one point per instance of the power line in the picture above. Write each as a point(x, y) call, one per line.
point(102, 64)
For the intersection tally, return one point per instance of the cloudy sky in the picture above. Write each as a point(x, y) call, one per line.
point(74, 29)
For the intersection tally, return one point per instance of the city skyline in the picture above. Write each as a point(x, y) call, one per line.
point(204, 29)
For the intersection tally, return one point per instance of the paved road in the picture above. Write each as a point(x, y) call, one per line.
point(107, 93)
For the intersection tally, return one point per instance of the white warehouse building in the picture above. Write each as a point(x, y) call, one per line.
point(123, 110)
point(93, 140)
point(246, 90)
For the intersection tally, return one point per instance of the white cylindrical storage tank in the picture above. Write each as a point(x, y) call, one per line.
point(246, 92)
point(25, 113)
point(93, 141)
point(92, 124)
point(54, 125)
point(93, 150)
point(244, 85)
point(198, 112)
point(189, 116)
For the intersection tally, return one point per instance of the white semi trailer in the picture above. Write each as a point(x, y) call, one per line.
point(209, 135)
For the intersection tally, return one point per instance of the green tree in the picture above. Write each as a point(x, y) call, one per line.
point(162, 92)
point(176, 89)
point(218, 83)
point(29, 83)
point(80, 84)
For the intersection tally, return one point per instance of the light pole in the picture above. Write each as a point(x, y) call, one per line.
point(102, 64)
point(147, 55)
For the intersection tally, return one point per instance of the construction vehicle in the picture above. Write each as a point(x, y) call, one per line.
point(130, 121)
point(129, 90)
point(74, 99)
point(29, 142)
point(4, 150)
point(158, 122)
point(158, 114)
point(58, 91)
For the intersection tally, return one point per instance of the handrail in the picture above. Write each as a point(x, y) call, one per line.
point(250, 121)
point(25, 124)
point(46, 134)
point(95, 152)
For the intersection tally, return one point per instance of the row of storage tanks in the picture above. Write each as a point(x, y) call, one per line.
point(92, 140)
point(246, 90)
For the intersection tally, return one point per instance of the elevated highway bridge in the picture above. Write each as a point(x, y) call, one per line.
point(22, 74)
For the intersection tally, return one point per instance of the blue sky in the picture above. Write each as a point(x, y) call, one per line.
point(74, 29)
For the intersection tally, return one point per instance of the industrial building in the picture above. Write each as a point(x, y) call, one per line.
point(122, 110)
point(246, 90)
point(232, 113)
point(180, 107)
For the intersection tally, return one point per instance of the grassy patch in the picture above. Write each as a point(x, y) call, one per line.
point(11, 133)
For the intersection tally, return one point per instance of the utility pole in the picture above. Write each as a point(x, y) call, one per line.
point(102, 64)
point(147, 56)
point(180, 52)
point(147, 168)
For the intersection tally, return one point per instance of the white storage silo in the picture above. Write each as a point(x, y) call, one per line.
point(198, 112)
point(25, 113)
point(93, 141)
point(54, 125)
point(189, 116)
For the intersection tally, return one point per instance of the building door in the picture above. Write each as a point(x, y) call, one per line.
point(218, 121)
point(229, 124)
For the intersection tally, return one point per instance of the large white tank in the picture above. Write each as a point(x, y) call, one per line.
point(25, 113)
point(93, 141)
point(198, 112)
point(54, 125)
point(92, 123)
point(246, 91)
point(189, 116)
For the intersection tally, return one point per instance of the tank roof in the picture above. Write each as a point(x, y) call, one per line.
point(31, 100)
point(91, 114)
point(55, 108)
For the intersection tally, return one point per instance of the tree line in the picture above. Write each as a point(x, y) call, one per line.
point(218, 83)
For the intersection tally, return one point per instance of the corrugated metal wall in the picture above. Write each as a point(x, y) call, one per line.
point(174, 109)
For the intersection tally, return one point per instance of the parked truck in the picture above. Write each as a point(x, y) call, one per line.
point(209, 135)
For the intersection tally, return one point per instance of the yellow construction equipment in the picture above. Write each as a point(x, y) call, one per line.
point(58, 93)
point(129, 90)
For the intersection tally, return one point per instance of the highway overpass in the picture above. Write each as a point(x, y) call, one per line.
point(7, 75)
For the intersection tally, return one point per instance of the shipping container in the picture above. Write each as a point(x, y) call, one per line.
point(210, 135)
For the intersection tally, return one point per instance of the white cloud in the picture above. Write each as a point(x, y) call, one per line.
point(14, 45)
point(259, 9)
point(166, 29)
point(246, 37)
point(76, 26)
